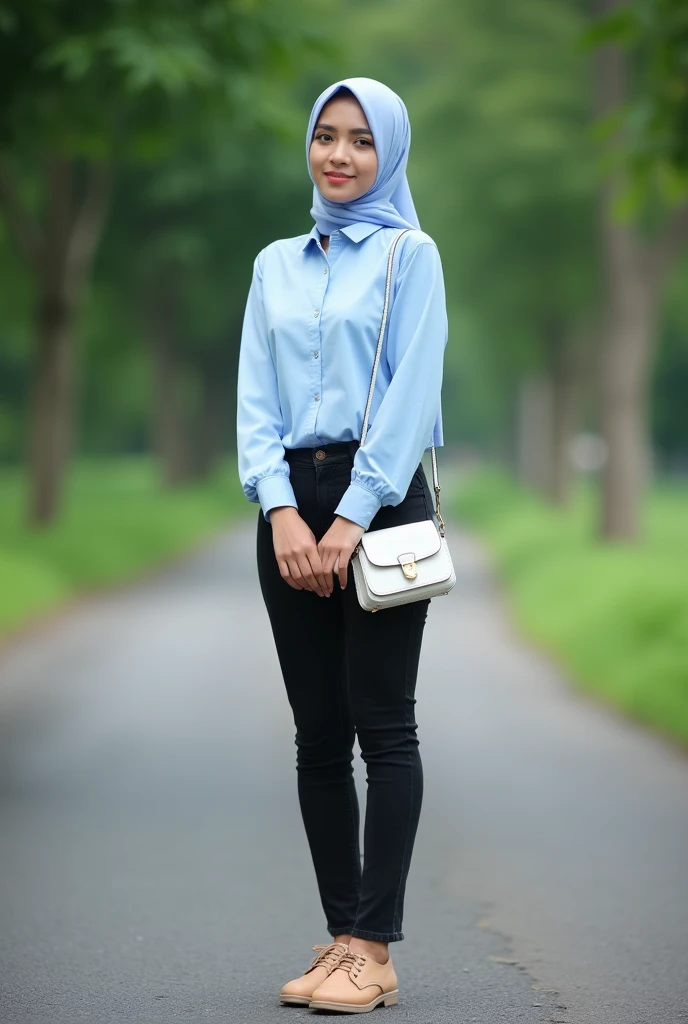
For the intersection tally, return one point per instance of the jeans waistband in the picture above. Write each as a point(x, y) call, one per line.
point(336, 451)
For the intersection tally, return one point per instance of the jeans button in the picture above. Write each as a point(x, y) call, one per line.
point(320, 454)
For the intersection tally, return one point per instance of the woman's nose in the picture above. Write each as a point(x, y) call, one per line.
point(340, 154)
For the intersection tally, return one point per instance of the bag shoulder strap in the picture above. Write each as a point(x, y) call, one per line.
point(376, 363)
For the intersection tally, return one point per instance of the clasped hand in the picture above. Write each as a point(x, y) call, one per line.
point(306, 564)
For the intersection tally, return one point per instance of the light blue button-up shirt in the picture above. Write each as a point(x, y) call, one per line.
point(307, 349)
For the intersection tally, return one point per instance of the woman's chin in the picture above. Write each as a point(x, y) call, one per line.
point(336, 194)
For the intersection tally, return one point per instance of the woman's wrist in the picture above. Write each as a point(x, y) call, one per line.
point(350, 522)
point(279, 511)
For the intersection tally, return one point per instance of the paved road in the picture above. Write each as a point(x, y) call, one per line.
point(153, 866)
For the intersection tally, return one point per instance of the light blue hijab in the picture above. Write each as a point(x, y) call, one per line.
point(389, 202)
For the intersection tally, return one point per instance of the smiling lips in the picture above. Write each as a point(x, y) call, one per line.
point(335, 177)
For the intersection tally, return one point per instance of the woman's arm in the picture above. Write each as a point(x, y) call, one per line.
point(263, 471)
point(403, 424)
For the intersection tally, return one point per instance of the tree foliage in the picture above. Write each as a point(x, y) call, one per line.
point(90, 87)
point(191, 118)
point(654, 120)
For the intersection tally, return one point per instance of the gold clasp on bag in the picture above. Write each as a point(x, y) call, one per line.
point(408, 564)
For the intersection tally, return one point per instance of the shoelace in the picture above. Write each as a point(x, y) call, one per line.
point(351, 962)
point(328, 956)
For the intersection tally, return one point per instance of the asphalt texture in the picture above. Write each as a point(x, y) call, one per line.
point(153, 866)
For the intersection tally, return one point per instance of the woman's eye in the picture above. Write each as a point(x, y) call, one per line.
point(365, 142)
point(323, 137)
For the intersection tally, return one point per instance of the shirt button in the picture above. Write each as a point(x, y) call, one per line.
point(317, 398)
point(316, 354)
point(316, 313)
point(325, 270)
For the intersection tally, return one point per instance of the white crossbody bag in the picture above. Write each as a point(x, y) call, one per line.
point(402, 563)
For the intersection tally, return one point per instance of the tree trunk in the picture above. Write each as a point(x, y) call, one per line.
point(216, 427)
point(626, 363)
point(534, 431)
point(51, 405)
point(210, 437)
point(59, 250)
point(170, 424)
point(547, 413)
point(171, 421)
point(632, 271)
point(564, 376)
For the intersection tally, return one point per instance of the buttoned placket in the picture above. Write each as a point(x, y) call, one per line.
point(318, 293)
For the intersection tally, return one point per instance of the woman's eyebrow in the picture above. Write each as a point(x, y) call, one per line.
point(352, 131)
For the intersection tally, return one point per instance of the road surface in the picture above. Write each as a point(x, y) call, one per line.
point(153, 865)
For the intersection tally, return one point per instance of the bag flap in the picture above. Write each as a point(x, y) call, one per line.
point(415, 540)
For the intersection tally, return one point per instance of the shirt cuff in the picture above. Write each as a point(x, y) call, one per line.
point(273, 491)
point(359, 504)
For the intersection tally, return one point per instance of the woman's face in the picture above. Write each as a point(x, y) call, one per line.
point(342, 154)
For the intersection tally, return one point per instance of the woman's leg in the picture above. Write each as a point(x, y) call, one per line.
point(308, 634)
point(383, 653)
point(383, 656)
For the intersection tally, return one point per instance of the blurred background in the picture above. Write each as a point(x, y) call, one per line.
point(150, 148)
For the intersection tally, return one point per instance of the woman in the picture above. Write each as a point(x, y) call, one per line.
point(307, 350)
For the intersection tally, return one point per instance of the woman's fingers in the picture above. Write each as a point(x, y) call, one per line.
point(286, 576)
point(311, 567)
point(298, 572)
point(295, 575)
point(297, 553)
point(333, 571)
point(338, 545)
point(307, 571)
point(305, 574)
point(284, 571)
point(300, 562)
point(343, 566)
point(324, 572)
point(320, 570)
point(336, 562)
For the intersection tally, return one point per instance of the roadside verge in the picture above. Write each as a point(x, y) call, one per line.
point(614, 616)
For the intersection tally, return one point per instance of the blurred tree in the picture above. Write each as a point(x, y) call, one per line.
point(642, 99)
point(499, 100)
point(182, 245)
point(503, 169)
point(16, 299)
point(85, 85)
point(669, 408)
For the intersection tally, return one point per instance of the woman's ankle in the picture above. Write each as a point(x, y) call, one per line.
point(346, 939)
point(378, 951)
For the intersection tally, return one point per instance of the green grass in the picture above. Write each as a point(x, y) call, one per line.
point(615, 616)
point(115, 521)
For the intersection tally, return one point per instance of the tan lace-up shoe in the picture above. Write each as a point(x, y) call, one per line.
point(356, 985)
point(300, 991)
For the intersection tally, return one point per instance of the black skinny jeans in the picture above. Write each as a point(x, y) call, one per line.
point(350, 673)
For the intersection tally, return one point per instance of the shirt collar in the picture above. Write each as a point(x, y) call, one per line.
point(356, 232)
